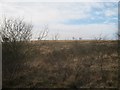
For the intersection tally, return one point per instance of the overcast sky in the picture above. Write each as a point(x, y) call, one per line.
point(68, 19)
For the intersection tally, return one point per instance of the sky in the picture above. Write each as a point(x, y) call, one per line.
point(68, 19)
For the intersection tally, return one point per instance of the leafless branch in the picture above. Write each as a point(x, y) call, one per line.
point(15, 30)
point(44, 33)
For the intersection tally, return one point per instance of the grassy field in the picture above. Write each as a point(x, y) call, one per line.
point(64, 64)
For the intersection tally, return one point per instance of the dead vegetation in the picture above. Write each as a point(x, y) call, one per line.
point(73, 64)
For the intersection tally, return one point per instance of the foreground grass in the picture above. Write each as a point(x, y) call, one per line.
point(59, 64)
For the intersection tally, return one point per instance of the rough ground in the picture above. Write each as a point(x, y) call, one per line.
point(72, 64)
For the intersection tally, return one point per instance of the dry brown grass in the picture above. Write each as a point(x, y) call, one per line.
point(64, 63)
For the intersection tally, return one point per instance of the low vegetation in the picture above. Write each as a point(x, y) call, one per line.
point(72, 64)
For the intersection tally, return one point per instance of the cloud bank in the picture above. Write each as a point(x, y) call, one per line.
point(78, 19)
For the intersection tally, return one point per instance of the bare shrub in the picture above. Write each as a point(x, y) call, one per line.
point(15, 35)
point(43, 33)
point(56, 36)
